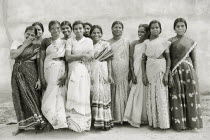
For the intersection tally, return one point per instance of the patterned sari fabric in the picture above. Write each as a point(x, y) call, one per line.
point(157, 103)
point(184, 96)
point(78, 95)
point(120, 69)
point(26, 99)
point(135, 112)
point(53, 101)
point(100, 88)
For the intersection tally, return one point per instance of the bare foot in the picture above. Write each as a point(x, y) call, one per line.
point(48, 128)
point(17, 132)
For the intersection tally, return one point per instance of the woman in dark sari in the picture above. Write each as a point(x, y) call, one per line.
point(184, 94)
point(25, 95)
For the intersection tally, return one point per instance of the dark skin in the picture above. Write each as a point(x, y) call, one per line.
point(155, 31)
point(142, 36)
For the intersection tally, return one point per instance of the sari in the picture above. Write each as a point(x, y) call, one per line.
point(78, 110)
point(157, 102)
point(53, 101)
point(135, 112)
point(100, 87)
point(184, 97)
point(26, 99)
point(120, 70)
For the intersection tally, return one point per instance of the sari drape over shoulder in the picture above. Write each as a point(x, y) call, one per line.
point(26, 99)
point(100, 87)
point(78, 95)
point(184, 97)
point(120, 69)
point(157, 103)
point(53, 101)
point(135, 112)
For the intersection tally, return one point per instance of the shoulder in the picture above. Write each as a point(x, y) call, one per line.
point(135, 42)
point(87, 39)
point(172, 39)
point(15, 44)
point(190, 40)
point(126, 41)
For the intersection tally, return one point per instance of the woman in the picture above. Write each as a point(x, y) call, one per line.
point(40, 31)
point(120, 69)
point(78, 55)
point(25, 95)
point(184, 95)
point(101, 79)
point(135, 112)
point(66, 29)
point(52, 72)
point(155, 75)
point(38, 39)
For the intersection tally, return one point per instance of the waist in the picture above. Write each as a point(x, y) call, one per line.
point(58, 59)
point(27, 61)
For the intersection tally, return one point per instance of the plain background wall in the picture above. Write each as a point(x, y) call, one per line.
point(15, 15)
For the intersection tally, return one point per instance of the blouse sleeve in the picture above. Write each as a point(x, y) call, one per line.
point(45, 43)
point(69, 45)
point(15, 45)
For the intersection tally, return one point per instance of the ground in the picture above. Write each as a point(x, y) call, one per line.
point(119, 132)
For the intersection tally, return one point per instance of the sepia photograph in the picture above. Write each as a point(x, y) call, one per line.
point(104, 69)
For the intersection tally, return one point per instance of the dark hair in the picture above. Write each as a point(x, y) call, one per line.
point(146, 28)
point(153, 22)
point(180, 20)
point(94, 27)
point(39, 24)
point(31, 28)
point(117, 22)
point(78, 22)
point(52, 23)
point(66, 23)
point(89, 24)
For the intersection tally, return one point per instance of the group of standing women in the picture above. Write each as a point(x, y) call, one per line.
point(83, 81)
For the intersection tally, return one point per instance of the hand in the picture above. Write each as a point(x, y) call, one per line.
point(27, 42)
point(62, 81)
point(43, 84)
point(86, 57)
point(110, 79)
point(171, 81)
point(134, 79)
point(36, 50)
point(165, 80)
point(38, 85)
point(145, 80)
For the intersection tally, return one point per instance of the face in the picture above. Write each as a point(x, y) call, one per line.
point(117, 30)
point(39, 30)
point(155, 29)
point(87, 29)
point(96, 34)
point(78, 30)
point(55, 30)
point(66, 30)
point(180, 28)
point(141, 33)
point(30, 35)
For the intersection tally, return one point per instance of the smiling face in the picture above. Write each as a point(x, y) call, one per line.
point(39, 31)
point(55, 30)
point(155, 29)
point(66, 30)
point(96, 35)
point(78, 30)
point(29, 35)
point(180, 28)
point(117, 30)
point(142, 33)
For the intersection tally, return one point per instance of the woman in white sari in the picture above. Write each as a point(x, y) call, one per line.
point(135, 112)
point(120, 70)
point(52, 74)
point(78, 55)
point(100, 81)
point(155, 75)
